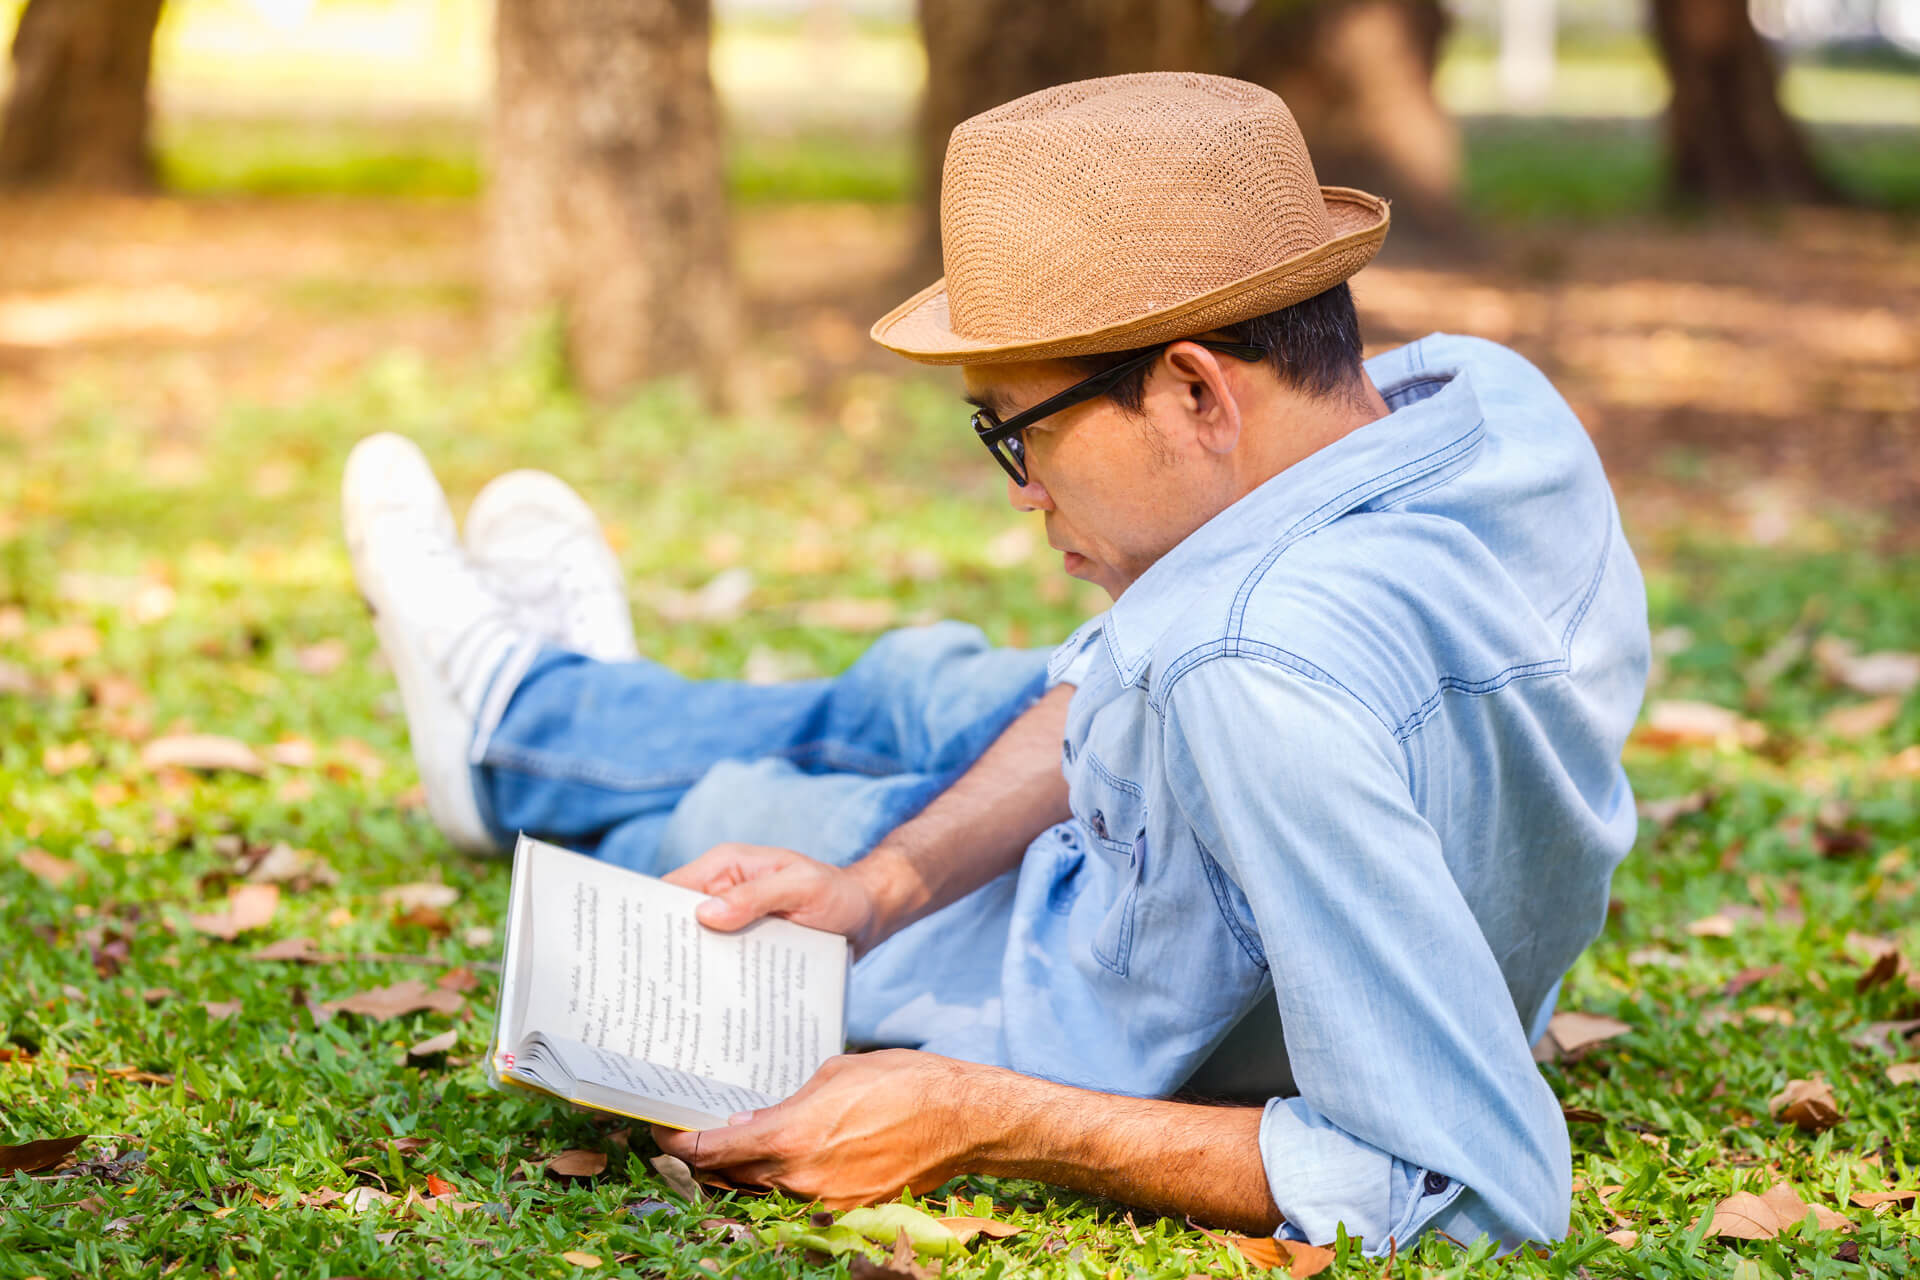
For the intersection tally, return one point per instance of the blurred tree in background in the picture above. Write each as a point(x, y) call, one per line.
point(1728, 139)
point(607, 209)
point(77, 114)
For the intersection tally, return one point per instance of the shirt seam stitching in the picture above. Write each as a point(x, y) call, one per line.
point(1214, 871)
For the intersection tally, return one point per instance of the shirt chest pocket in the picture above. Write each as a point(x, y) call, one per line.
point(1112, 811)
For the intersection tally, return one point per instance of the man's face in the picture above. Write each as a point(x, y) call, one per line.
point(1118, 490)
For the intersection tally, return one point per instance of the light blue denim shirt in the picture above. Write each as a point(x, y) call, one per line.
point(1345, 774)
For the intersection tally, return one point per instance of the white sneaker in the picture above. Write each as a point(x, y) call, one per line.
point(441, 625)
point(541, 548)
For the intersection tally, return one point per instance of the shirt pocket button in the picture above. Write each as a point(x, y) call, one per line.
point(1436, 1183)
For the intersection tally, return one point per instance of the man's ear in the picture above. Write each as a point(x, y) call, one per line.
point(1205, 395)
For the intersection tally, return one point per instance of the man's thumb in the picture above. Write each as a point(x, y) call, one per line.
point(741, 905)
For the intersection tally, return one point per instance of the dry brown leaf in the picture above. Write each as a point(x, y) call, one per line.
point(294, 753)
point(322, 659)
point(154, 995)
point(428, 894)
point(361, 1199)
point(580, 1259)
point(300, 950)
point(1772, 1013)
point(221, 1010)
point(397, 1000)
point(300, 868)
point(1904, 1073)
point(461, 979)
point(432, 1047)
point(1678, 724)
point(44, 1153)
point(57, 760)
point(1862, 719)
point(1268, 1253)
point(249, 906)
point(1573, 1032)
point(67, 643)
point(968, 1227)
point(1718, 925)
point(1874, 1199)
point(1625, 1238)
point(1885, 673)
point(1666, 812)
point(1790, 1208)
point(53, 872)
point(679, 1178)
point(206, 752)
point(577, 1163)
point(1886, 966)
point(1806, 1104)
point(16, 679)
point(1887, 1036)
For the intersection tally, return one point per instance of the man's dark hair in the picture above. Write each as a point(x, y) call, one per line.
point(1313, 346)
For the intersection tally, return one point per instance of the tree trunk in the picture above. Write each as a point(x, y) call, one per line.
point(1358, 76)
point(77, 115)
point(1728, 139)
point(981, 53)
point(607, 207)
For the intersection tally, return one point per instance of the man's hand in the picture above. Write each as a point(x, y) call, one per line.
point(748, 881)
point(862, 1128)
point(868, 1124)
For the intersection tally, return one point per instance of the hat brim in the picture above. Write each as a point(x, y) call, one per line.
point(921, 328)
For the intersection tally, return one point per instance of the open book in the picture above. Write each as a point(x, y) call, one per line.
point(614, 997)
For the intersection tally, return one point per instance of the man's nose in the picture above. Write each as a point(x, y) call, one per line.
point(1031, 496)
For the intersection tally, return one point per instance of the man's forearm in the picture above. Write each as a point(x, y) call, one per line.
point(1171, 1157)
point(980, 826)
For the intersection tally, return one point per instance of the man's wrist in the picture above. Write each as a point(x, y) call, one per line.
point(895, 890)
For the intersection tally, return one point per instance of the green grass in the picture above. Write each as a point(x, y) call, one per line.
point(894, 503)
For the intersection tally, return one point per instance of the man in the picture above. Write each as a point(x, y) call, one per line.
point(1315, 817)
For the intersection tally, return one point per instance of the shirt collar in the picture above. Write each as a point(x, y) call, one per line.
point(1435, 424)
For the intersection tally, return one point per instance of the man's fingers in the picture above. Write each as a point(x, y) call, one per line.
point(718, 867)
point(740, 905)
point(723, 1148)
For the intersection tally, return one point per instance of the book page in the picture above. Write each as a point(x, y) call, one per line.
point(617, 962)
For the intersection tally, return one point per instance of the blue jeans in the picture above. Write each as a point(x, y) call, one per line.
point(643, 768)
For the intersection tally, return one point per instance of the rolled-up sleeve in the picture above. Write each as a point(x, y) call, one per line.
point(1419, 1103)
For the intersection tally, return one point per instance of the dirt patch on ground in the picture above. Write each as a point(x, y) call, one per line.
point(1754, 371)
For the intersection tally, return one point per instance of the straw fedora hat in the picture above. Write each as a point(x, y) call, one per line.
point(1116, 213)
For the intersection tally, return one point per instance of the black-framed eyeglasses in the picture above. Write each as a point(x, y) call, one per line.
point(1006, 441)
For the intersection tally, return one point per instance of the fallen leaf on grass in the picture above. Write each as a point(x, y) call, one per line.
point(51, 871)
point(580, 1259)
point(577, 1163)
point(1570, 1033)
point(16, 679)
point(220, 1010)
point(848, 613)
point(887, 1223)
point(1884, 1035)
point(249, 906)
point(293, 753)
point(57, 760)
point(428, 894)
point(205, 752)
point(322, 659)
point(1677, 724)
point(1885, 967)
point(1745, 1216)
point(44, 1153)
point(67, 644)
point(1624, 1238)
point(437, 1185)
point(1874, 1199)
point(1904, 1073)
point(300, 869)
point(1862, 719)
point(967, 1228)
point(397, 1000)
point(361, 1199)
point(431, 1048)
point(1717, 925)
point(1883, 673)
point(460, 979)
point(673, 1171)
point(1806, 1104)
point(1664, 813)
point(1265, 1251)
point(299, 950)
